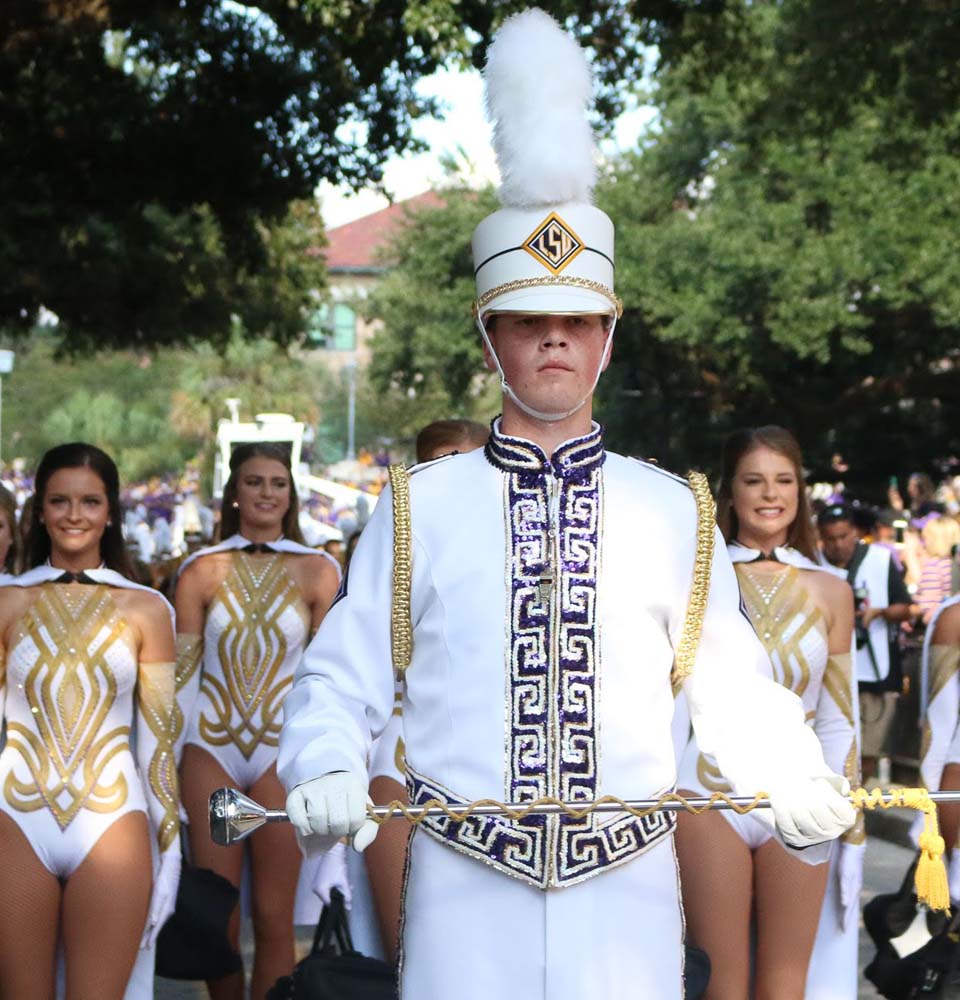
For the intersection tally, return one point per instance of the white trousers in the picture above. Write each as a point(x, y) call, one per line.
point(475, 933)
point(832, 973)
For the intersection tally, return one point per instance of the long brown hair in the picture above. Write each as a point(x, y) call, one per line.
point(230, 516)
point(8, 507)
point(800, 535)
point(77, 455)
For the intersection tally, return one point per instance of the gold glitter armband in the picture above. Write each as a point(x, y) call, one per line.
point(189, 654)
point(156, 698)
point(401, 629)
point(700, 589)
point(838, 680)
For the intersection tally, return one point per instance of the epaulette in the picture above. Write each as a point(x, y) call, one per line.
point(654, 466)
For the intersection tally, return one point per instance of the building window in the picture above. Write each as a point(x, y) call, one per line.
point(334, 328)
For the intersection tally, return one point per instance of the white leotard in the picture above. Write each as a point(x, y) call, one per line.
point(67, 772)
point(256, 628)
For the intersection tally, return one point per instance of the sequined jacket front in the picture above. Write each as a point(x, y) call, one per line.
point(548, 596)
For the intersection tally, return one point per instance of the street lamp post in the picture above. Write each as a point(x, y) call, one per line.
point(6, 366)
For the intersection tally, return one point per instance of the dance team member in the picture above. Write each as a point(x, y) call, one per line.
point(543, 625)
point(732, 866)
point(940, 718)
point(245, 611)
point(89, 825)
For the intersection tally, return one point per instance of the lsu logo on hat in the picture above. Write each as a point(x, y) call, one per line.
point(553, 243)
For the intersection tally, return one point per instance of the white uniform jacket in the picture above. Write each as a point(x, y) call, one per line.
point(548, 596)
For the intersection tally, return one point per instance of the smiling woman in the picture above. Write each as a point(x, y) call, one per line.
point(803, 614)
point(78, 510)
point(87, 774)
point(245, 610)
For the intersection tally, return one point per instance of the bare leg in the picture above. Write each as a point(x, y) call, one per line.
point(950, 811)
point(200, 775)
point(716, 875)
point(275, 865)
point(789, 896)
point(105, 904)
point(28, 918)
point(385, 859)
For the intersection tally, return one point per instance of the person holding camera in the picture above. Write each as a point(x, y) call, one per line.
point(882, 602)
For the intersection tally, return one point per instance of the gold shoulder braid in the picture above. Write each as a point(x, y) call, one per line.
point(401, 629)
point(700, 589)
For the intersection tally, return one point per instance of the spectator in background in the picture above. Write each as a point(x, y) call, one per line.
point(450, 437)
point(929, 561)
point(882, 603)
point(863, 519)
point(9, 533)
point(920, 492)
point(885, 534)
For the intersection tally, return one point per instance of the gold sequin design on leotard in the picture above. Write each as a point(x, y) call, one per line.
point(70, 689)
point(774, 602)
point(251, 649)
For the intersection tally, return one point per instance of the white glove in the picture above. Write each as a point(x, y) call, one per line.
point(163, 899)
point(812, 810)
point(850, 876)
point(333, 806)
point(332, 874)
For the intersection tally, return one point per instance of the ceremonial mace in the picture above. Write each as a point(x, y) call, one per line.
point(234, 816)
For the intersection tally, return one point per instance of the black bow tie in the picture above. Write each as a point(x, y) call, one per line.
point(762, 556)
point(258, 547)
point(80, 577)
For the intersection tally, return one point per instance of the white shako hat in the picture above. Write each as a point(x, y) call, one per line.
point(548, 250)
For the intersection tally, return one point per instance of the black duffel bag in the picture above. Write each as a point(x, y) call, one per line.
point(193, 943)
point(334, 970)
point(924, 972)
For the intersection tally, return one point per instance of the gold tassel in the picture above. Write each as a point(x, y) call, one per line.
point(930, 880)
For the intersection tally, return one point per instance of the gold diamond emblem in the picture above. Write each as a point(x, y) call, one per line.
point(553, 243)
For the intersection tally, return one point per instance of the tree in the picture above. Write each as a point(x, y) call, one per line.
point(151, 152)
point(427, 354)
point(798, 238)
point(786, 245)
point(156, 412)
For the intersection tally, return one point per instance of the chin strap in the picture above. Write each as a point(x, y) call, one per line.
point(529, 410)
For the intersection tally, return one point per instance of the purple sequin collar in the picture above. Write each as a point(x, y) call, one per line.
point(574, 459)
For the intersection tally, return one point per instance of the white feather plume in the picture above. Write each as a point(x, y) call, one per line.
point(538, 88)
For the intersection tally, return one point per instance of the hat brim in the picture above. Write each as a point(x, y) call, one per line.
point(556, 300)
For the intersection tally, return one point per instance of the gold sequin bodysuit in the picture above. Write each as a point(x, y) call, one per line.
point(793, 631)
point(256, 628)
point(67, 771)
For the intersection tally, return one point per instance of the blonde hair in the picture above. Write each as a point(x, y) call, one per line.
point(940, 535)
